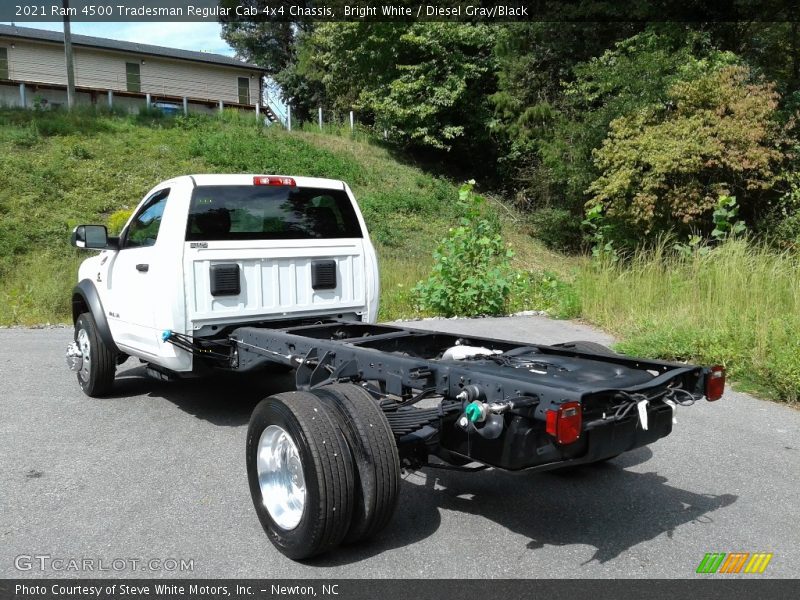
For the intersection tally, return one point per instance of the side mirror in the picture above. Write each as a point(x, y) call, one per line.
point(91, 237)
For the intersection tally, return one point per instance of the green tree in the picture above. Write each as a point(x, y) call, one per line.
point(636, 73)
point(426, 83)
point(269, 44)
point(534, 62)
point(666, 165)
point(274, 46)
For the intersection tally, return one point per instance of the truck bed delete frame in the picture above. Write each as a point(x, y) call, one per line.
point(529, 380)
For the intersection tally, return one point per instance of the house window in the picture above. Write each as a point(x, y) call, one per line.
point(133, 78)
point(3, 63)
point(244, 90)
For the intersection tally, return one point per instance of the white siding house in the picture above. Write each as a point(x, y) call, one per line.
point(32, 69)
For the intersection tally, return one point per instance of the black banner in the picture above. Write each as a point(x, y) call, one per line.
point(713, 588)
point(400, 10)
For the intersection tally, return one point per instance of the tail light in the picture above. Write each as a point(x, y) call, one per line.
point(564, 424)
point(715, 383)
point(273, 180)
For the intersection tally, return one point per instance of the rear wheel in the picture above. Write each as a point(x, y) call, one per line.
point(374, 451)
point(300, 474)
point(98, 362)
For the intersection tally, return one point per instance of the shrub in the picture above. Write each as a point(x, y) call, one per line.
point(81, 152)
point(117, 219)
point(725, 218)
point(544, 290)
point(558, 228)
point(664, 167)
point(79, 121)
point(153, 116)
point(781, 227)
point(24, 137)
point(472, 272)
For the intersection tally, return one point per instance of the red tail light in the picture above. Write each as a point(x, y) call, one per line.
point(551, 425)
point(564, 424)
point(273, 180)
point(715, 383)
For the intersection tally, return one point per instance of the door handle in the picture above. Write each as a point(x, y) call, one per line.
point(143, 268)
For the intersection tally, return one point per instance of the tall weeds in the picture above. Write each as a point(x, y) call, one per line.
point(737, 304)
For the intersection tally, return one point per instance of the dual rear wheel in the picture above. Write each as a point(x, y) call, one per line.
point(323, 468)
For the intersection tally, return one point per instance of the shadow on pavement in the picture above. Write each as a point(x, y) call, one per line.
point(604, 506)
point(226, 399)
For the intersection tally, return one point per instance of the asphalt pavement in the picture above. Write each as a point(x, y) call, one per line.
point(156, 472)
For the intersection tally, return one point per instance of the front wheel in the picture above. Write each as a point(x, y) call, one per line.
point(98, 361)
point(300, 473)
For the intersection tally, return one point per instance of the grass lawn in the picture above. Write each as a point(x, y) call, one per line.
point(58, 170)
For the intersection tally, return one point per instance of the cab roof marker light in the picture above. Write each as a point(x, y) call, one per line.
point(274, 180)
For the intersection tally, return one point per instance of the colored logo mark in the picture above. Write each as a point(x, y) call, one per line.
point(734, 562)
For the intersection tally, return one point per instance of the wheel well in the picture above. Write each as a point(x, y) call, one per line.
point(79, 306)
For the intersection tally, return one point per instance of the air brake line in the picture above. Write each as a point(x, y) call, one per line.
point(194, 346)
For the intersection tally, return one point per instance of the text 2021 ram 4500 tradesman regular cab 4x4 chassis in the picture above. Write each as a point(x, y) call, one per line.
point(236, 272)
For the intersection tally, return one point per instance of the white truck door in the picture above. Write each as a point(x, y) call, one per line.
point(134, 279)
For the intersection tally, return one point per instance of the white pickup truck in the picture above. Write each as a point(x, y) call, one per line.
point(238, 272)
point(203, 254)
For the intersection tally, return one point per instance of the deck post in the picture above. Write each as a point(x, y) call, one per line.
point(221, 106)
point(147, 100)
point(23, 100)
point(186, 106)
point(258, 113)
point(110, 98)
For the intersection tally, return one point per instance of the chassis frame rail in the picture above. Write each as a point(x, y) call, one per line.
point(521, 383)
point(405, 359)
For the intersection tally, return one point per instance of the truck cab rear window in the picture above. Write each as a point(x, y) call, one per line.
point(248, 212)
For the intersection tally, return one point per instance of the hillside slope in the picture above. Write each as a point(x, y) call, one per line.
point(58, 170)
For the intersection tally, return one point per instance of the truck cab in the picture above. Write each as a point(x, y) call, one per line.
point(202, 254)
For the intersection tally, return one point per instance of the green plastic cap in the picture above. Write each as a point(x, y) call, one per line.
point(473, 411)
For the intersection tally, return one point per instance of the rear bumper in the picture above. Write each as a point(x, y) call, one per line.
point(526, 446)
point(610, 438)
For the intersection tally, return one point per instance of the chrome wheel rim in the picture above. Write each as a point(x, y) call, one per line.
point(86, 350)
point(280, 477)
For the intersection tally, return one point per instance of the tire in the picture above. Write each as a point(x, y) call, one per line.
point(589, 347)
point(325, 468)
point(96, 376)
point(375, 457)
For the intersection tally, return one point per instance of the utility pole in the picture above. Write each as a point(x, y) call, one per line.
point(68, 56)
